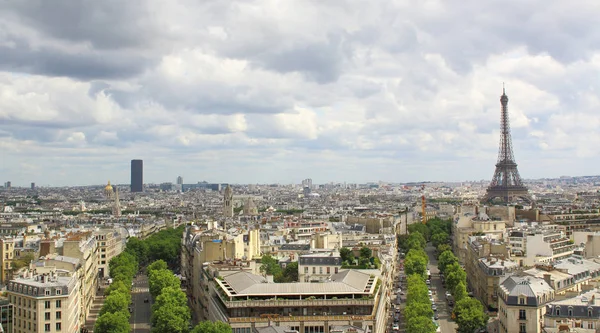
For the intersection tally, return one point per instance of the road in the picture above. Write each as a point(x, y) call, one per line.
point(140, 318)
point(444, 311)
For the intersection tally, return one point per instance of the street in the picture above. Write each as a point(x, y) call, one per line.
point(444, 312)
point(140, 317)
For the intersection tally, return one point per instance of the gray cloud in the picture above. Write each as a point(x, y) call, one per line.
point(348, 90)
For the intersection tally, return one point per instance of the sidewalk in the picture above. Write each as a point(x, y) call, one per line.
point(94, 311)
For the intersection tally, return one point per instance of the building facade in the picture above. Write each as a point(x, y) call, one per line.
point(137, 176)
point(45, 303)
point(522, 304)
point(110, 245)
point(318, 267)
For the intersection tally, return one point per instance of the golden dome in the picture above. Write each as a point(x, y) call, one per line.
point(108, 187)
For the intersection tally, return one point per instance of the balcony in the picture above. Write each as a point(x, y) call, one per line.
point(297, 303)
point(276, 318)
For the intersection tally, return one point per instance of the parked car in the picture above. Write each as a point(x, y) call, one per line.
point(433, 307)
point(448, 294)
point(396, 327)
point(146, 300)
point(436, 316)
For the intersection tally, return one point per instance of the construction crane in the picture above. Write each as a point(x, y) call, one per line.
point(423, 205)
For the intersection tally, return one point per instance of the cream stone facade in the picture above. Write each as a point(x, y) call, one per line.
point(110, 245)
point(45, 302)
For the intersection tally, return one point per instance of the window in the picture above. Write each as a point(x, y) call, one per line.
point(58, 291)
point(522, 315)
point(47, 292)
point(589, 312)
point(314, 270)
point(58, 326)
point(328, 270)
point(305, 270)
point(570, 312)
point(58, 303)
point(522, 328)
point(522, 300)
point(47, 328)
point(58, 315)
point(558, 311)
point(47, 316)
point(320, 270)
point(336, 270)
point(46, 304)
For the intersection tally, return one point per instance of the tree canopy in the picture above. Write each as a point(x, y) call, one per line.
point(110, 322)
point(212, 327)
point(160, 279)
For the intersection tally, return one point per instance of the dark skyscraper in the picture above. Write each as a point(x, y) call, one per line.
point(137, 175)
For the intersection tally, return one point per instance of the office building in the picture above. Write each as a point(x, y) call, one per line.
point(33, 186)
point(8, 184)
point(179, 180)
point(137, 175)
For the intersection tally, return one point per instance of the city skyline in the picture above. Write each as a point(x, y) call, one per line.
point(398, 92)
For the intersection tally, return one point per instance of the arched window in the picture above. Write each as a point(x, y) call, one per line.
point(570, 312)
point(558, 310)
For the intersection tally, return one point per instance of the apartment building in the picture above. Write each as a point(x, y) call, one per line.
point(581, 311)
point(83, 246)
point(110, 245)
point(14, 248)
point(486, 263)
point(469, 224)
point(45, 302)
point(7, 316)
point(539, 244)
point(318, 267)
point(247, 301)
point(522, 303)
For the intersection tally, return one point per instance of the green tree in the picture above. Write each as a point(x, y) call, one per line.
point(416, 309)
point(170, 297)
point(420, 228)
point(160, 279)
point(454, 275)
point(347, 255)
point(460, 291)
point(416, 263)
point(365, 252)
point(212, 327)
point(417, 291)
point(157, 265)
point(139, 249)
point(116, 302)
point(118, 286)
point(402, 243)
point(420, 324)
point(289, 274)
point(470, 315)
point(270, 265)
point(170, 319)
point(439, 239)
point(23, 261)
point(443, 248)
point(108, 322)
point(446, 259)
point(416, 241)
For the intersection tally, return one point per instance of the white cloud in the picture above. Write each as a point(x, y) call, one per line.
point(269, 91)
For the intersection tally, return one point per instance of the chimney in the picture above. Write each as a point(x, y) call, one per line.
point(547, 278)
point(502, 262)
point(591, 302)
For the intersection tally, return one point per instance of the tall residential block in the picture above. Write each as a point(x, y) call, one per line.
point(137, 175)
point(45, 302)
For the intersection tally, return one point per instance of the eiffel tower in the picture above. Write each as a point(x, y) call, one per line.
point(506, 184)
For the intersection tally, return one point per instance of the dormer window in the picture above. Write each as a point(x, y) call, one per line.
point(570, 312)
point(590, 312)
point(558, 311)
point(522, 301)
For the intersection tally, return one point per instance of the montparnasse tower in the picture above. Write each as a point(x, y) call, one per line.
point(108, 191)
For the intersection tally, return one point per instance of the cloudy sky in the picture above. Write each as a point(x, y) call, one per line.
point(271, 91)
